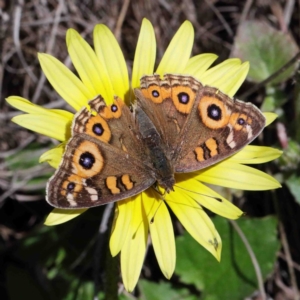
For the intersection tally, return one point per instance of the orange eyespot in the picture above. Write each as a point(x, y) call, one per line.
point(183, 98)
point(213, 112)
point(98, 127)
point(87, 160)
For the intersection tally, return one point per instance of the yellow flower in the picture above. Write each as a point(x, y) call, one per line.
point(104, 71)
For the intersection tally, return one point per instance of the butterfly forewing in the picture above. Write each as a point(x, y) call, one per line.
point(168, 103)
point(103, 161)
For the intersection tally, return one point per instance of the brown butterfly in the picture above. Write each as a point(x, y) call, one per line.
point(177, 126)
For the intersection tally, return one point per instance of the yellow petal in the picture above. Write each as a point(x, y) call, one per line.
point(110, 55)
point(66, 84)
point(225, 76)
point(31, 108)
point(162, 234)
point(237, 176)
point(255, 155)
point(213, 75)
point(145, 52)
point(198, 64)
point(92, 73)
point(206, 197)
point(231, 83)
point(134, 248)
point(59, 129)
point(178, 52)
point(270, 117)
point(25, 105)
point(123, 213)
point(53, 156)
point(196, 222)
point(59, 216)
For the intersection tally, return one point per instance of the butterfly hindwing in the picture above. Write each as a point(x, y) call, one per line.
point(217, 128)
point(103, 161)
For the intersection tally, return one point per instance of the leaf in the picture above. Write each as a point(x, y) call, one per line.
point(25, 163)
point(293, 183)
point(24, 159)
point(162, 291)
point(290, 158)
point(267, 51)
point(274, 100)
point(234, 276)
point(64, 255)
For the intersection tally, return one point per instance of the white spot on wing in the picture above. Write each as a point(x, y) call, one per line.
point(93, 193)
point(230, 142)
point(70, 199)
point(249, 130)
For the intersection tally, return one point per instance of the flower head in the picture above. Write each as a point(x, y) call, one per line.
point(103, 71)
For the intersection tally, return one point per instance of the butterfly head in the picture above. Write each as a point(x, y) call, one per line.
point(167, 183)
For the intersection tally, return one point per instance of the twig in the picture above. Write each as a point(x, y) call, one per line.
point(220, 17)
point(245, 12)
point(288, 11)
point(121, 19)
point(253, 259)
point(50, 46)
point(105, 218)
point(16, 38)
point(103, 256)
point(289, 261)
point(22, 145)
point(46, 21)
point(271, 77)
point(205, 32)
point(278, 13)
point(295, 265)
point(15, 187)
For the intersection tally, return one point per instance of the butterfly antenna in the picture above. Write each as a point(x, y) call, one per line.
point(204, 195)
point(160, 202)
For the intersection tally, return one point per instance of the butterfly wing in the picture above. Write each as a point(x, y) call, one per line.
point(200, 125)
point(103, 161)
point(168, 103)
point(217, 127)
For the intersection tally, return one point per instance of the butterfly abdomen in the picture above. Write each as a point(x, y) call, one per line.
point(155, 150)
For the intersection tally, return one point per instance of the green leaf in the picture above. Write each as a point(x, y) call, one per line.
point(274, 100)
point(162, 290)
point(234, 276)
point(293, 183)
point(267, 51)
point(24, 159)
point(29, 173)
point(290, 158)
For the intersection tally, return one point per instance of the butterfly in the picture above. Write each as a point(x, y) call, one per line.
point(176, 125)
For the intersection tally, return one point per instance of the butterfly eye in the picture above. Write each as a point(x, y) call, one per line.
point(183, 98)
point(214, 112)
point(155, 93)
point(114, 108)
point(98, 129)
point(86, 160)
point(241, 121)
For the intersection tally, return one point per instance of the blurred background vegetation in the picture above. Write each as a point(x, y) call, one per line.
point(70, 261)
